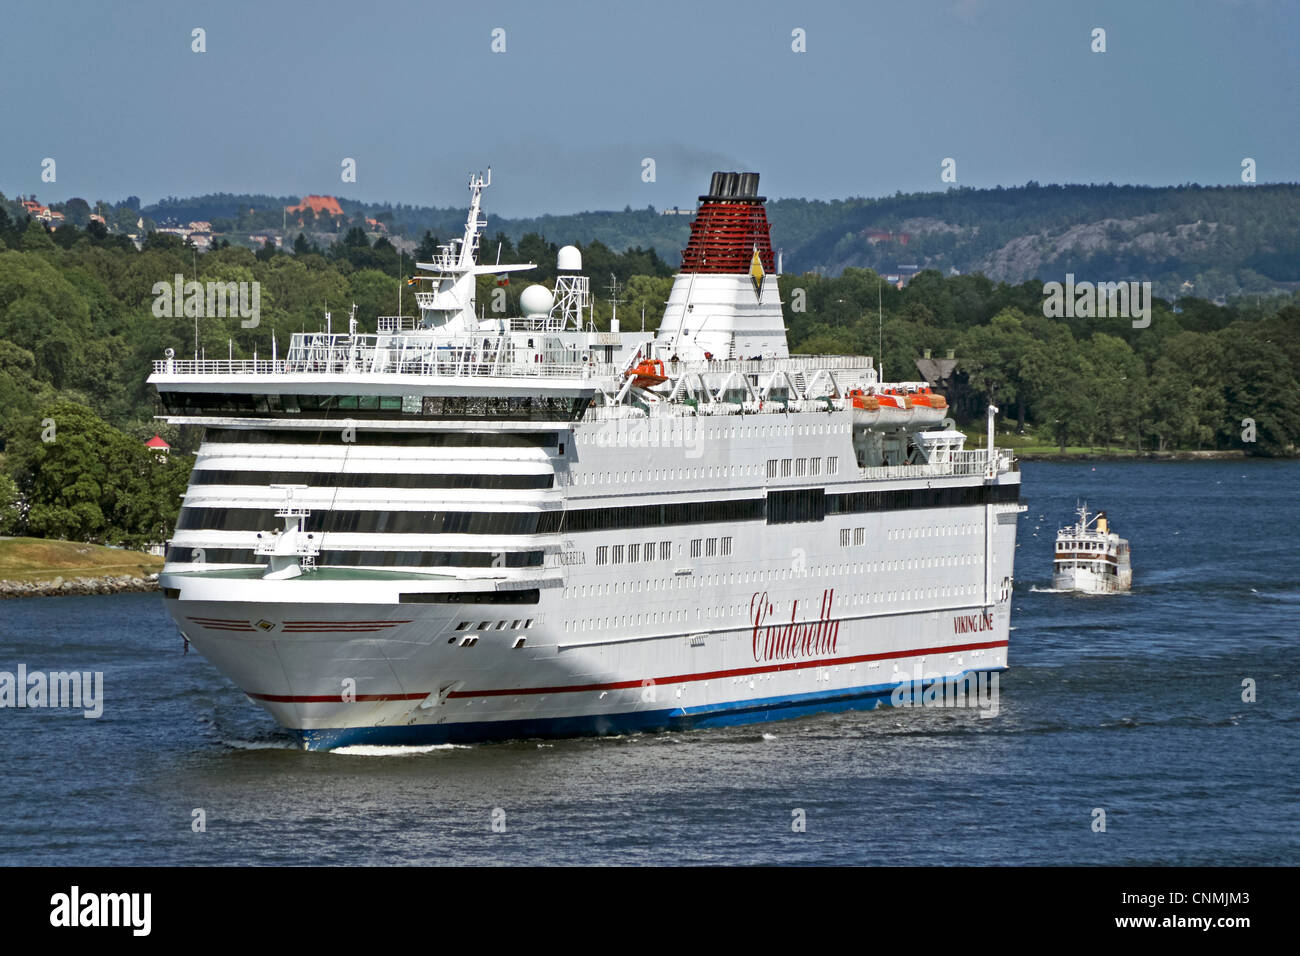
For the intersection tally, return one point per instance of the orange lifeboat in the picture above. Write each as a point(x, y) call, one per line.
point(648, 373)
point(929, 399)
point(866, 408)
point(864, 401)
point(893, 398)
point(928, 407)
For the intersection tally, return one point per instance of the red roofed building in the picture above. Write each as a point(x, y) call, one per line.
point(158, 446)
point(319, 205)
point(37, 211)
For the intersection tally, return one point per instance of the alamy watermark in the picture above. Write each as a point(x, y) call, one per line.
point(977, 689)
point(198, 300)
point(129, 910)
point(1085, 300)
point(83, 690)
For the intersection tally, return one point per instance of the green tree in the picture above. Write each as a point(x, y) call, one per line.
point(86, 481)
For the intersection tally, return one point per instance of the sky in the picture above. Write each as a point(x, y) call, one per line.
point(584, 93)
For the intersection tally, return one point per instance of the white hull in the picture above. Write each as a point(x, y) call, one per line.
point(923, 588)
point(1091, 582)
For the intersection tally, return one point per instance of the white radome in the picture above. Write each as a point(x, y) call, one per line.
point(569, 259)
point(536, 301)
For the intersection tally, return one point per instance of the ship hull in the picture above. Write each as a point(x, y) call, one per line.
point(373, 675)
point(1090, 582)
point(736, 713)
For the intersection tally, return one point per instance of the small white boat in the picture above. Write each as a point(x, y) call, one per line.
point(1090, 557)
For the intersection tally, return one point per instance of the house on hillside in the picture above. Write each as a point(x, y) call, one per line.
point(326, 206)
point(159, 447)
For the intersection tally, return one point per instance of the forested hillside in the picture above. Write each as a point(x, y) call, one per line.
point(1220, 241)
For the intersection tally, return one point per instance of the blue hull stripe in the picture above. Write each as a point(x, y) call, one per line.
point(587, 725)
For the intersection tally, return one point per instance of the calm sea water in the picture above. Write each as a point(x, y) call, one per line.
point(1130, 703)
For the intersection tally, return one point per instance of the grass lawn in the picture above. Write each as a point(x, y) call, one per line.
point(1031, 444)
point(39, 559)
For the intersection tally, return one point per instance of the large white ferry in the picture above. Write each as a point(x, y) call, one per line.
point(466, 528)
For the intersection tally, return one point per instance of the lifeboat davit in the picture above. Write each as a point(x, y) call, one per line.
point(648, 374)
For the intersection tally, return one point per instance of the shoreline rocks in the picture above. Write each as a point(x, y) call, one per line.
point(60, 587)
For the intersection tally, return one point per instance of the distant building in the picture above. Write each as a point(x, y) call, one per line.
point(159, 447)
point(374, 225)
point(37, 211)
point(874, 236)
point(677, 212)
point(319, 205)
point(937, 372)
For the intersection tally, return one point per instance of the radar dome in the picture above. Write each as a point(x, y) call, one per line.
point(536, 301)
point(570, 260)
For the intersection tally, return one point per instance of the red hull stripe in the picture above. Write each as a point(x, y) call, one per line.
point(341, 623)
point(622, 685)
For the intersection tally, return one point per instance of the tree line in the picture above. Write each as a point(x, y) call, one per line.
point(78, 336)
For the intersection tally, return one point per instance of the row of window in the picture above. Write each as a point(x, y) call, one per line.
point(803, 504)
point(351, 559)
point(526, 596)
point(934, 531)
point(641, 433)
point(500, 625)
point(368, 436)
point(637, 551)
point(664, 474)
point(376, 522)
point(710, 547)
point(661, 515)
point(801, 467)
point(790, 467)
point(779, 507)
point(329, 479)
point(906, 499)
point(853, 537)
point(516, 408)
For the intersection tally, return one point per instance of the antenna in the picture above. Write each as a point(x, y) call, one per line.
point(614, 300)
point(880, 320)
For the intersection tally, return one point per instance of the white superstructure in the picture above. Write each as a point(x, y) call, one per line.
point(469, 528)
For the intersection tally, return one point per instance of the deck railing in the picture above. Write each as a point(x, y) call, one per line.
point(479, 355)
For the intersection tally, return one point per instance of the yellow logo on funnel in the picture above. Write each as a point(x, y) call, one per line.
point(756, 273)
